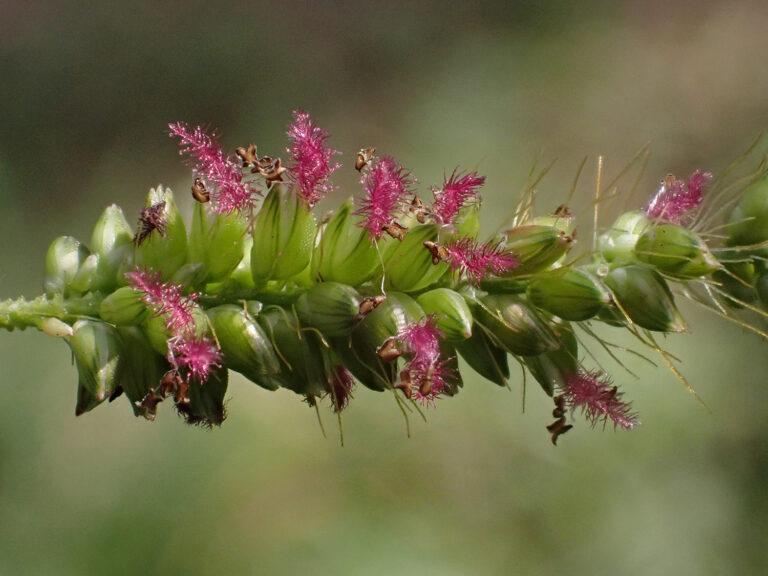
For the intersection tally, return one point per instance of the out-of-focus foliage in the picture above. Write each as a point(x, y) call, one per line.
point(85, 95)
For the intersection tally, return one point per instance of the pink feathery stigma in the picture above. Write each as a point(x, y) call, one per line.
point(438, 375)
point(197, 357)
point(311, 165)
point(341, 383)
point(422, 339)
point(165, 299)
point(427, 372)
point(386, 185)
point(677, 198)
point(476, 261)
point(208, 160)
point(454, 195)
point(599, 400)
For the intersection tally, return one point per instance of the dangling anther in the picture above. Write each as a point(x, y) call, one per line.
point(439, 253)
point(396, 230)
point(368, 305)
point(270, 168)
point(247, 155)
point(200, 192)
point(364, 158)
point(405, 384)
point(389, 350)
point(420, 209)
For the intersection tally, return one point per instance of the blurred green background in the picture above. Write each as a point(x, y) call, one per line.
point(86, 90)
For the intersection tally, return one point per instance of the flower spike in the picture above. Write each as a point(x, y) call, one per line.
point(313, 305)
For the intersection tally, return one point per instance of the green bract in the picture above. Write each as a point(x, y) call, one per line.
point(216, 242)
point(515, 325)
point(536, 247)
point(748, 223)
point(330, 307)
point(166, 251)
point(484, 356)
point(111, 241)
point(303, 367)
point(644, 296)
point(283, 236)
point(142, 367)
point(245, 345)
point(551, 369)
point(569, 293)
point(408, 264)
point(454, 317)
point(124, 307)
point(359, 349)
point(676, 251)
point(96, 348)
point(345, 252)
point(619, 241)
point(62, 262)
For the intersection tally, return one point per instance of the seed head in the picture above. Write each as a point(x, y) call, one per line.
point(311, 165)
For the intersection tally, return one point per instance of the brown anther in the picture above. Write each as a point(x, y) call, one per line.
point(405, 384)
point(364, 158)
point(181, 396)
point(168, 383)
point(426, 384)
point(270, 168)
point(200, 192)
point(389, 351)
point(149, 404)
point(397, 231)
point(562, 211)
point(420, 209)
point(559, 426)
point(247, 155)
point(669, 181)
point(368, 305)
point(559, 410)
point(439, 253)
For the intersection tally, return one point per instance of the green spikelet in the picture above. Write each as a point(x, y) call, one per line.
point(645, 297)
point(675, 251)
